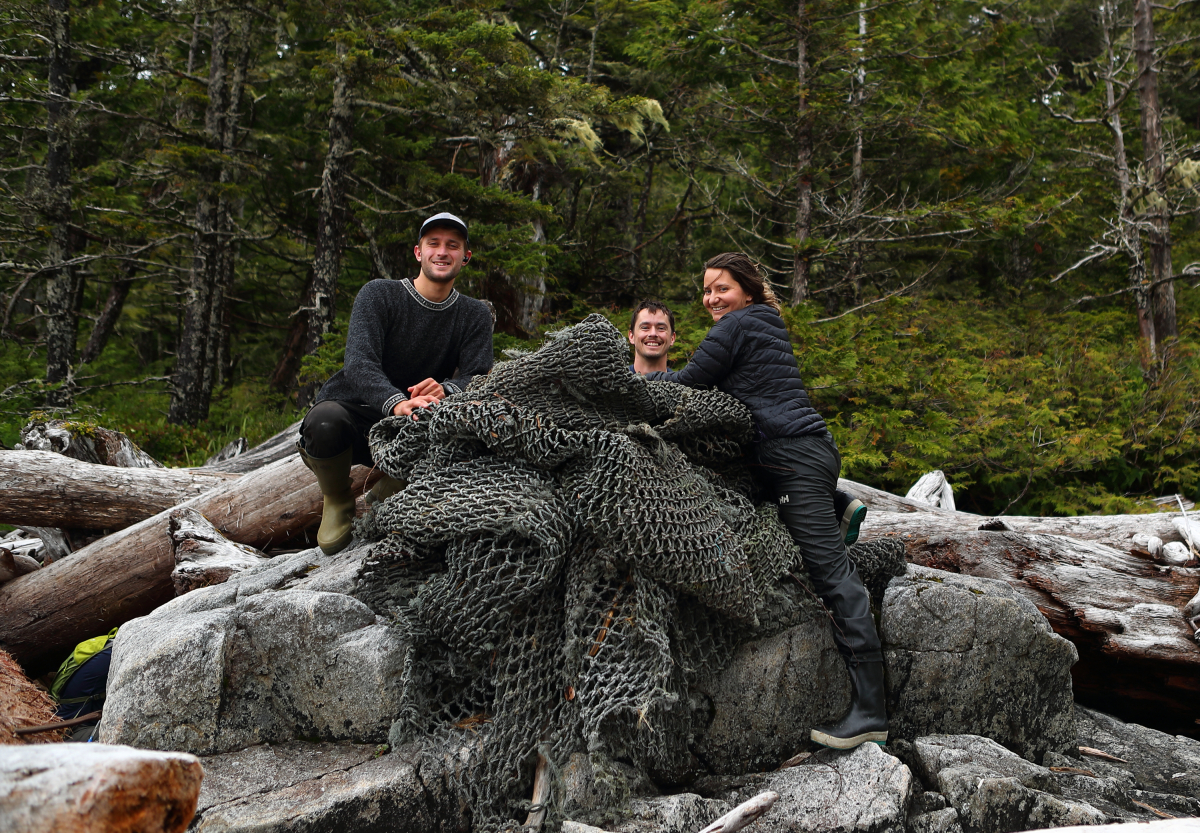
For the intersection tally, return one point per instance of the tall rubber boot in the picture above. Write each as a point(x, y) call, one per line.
point(867, 719)
point(337, 513)
point(383, 489)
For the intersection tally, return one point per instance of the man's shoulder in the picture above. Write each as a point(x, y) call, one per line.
point(475, 307)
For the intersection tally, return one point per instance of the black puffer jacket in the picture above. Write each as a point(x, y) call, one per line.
point(748, 355)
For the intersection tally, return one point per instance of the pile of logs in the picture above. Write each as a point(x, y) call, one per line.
point(1123, 588)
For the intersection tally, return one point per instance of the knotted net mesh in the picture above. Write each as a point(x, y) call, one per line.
point(577, 549)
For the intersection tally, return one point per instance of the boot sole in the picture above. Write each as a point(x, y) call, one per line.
point(852, 527)
point(848, 743)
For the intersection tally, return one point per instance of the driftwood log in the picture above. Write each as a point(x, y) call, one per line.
point(907, 515)
point(42, 488)
point(203, 556)
point(128, 574)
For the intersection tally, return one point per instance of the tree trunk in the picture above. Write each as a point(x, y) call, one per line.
point(106, 323)
point(203, 337)
point(188, 402)
point(287, 370)
point(1162, 295)
point(854, 269)
point(62, 289)
point(320, 304)
point(128, 574)
point(1121, 611)
point(800, 260)
point(41, 488)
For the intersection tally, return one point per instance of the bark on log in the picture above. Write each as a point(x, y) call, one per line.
point(128, 574)
point(203, 556)
point(1123, 611)
point(1117, 531)
point(41, 488)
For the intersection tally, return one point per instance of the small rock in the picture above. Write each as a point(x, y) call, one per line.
point(864, 790)
point(937, 821)
point(682, 813)
point(1156, 761)
point(95, 788)
point(994, 790)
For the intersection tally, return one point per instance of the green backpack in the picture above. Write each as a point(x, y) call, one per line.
point(84, 651)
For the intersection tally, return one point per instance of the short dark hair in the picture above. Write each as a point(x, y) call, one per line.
point(653, 306)
point(745, 271)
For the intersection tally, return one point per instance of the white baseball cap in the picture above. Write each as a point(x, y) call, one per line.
point(444, 220)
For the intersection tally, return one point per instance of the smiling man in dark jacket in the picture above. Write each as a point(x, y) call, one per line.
point(404, 336)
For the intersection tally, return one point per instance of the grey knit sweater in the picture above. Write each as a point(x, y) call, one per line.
point(398, 337)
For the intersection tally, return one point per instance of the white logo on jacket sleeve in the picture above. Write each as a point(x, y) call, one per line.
point(784, 498)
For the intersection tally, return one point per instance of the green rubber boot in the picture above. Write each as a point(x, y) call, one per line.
point(337, 514)
point(383, 489)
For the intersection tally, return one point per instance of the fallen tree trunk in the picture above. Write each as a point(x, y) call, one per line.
point(904, 514)
point(1122, 611)
point(42, 488)
point(128, 574)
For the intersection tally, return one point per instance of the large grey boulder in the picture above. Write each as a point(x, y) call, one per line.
point(968, 655)
point(320, 787)
point(96, 788)
point(269, 656)
point(994, 790)
point(770, 695)
point(865, 790)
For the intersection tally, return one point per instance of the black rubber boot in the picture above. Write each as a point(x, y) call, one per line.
point(851, 512)
point(867, 719)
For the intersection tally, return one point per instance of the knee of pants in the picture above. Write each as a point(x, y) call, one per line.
point(324, 431)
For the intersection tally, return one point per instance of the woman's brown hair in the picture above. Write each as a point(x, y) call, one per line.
point(745, 272)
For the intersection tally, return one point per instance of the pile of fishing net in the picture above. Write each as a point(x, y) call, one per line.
point(576, 550)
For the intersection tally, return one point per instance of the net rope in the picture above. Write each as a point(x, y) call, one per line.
point(576, 551)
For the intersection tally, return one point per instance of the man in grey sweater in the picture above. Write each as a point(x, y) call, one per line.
point(404, 336)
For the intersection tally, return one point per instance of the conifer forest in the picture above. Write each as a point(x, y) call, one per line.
point(981, 216)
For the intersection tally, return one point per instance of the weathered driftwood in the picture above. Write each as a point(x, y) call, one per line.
point(1122, 610)
point(41, 488)
point(15, 564)
point(233, 449)
point(744, 814)
point(270, 450)
point(89, 444)
point(128, 574)
point(203, 556)
point(1116, 531)
point(54, 542)
point(934, 489)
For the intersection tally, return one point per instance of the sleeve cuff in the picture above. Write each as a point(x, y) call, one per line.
point(391, 403)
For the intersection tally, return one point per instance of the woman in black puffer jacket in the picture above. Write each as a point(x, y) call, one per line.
point(748, 354)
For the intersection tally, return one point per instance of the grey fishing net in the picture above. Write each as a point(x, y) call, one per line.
point(576, 551)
